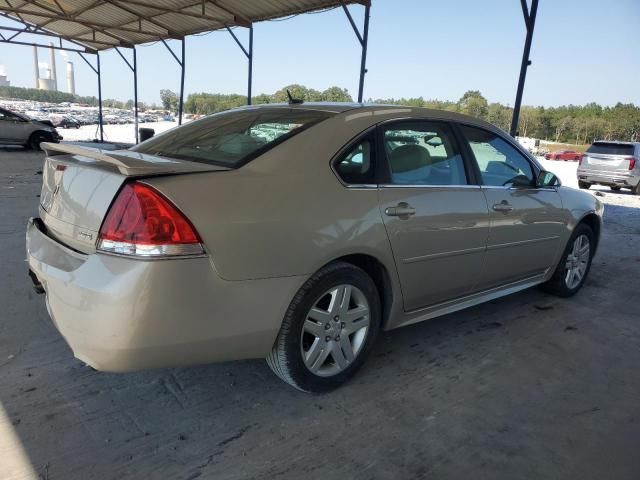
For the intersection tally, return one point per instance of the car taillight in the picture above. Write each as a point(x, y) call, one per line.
point(142, 222)
point(632, 162)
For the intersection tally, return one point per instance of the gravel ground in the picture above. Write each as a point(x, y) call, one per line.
point(525, 387)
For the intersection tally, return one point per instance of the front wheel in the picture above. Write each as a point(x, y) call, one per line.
point(36, 139)
point(574, 265)
point(328, 330)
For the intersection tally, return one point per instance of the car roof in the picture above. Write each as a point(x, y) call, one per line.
point(402, 110)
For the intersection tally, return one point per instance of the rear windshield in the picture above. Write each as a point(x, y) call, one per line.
point(231, 139)
point(611, 148)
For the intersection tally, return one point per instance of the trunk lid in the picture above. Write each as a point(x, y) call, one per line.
point(80, 183)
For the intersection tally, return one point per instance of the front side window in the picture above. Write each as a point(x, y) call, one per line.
point(231, 139)
point(499, 162)
point(423, 153)
point(356, 166)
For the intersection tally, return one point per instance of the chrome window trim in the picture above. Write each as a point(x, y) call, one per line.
point(394, 185)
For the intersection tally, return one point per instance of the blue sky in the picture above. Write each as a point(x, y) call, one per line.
point(583, 51)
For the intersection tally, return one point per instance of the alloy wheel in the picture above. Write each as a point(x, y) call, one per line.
point(335, 330)
point(577, 261)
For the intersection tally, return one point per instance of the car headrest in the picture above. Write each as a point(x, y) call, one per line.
point(409, 157)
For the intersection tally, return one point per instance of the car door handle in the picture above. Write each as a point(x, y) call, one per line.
point(503, 206)
point(401, 210)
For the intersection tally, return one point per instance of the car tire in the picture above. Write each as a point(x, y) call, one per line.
point(636, 190)
point(584, 185)
point(615, 188)
point(574, 265)
point(36, 139)
point(309, 353)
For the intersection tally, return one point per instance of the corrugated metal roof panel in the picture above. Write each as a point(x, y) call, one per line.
point(100, 24)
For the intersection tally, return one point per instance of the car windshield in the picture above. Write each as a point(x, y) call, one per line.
point(611, 148)
point(233, 138)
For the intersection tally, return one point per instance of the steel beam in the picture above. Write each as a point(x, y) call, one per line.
point(134, 69)
point(530, 22)
point(250, 73)
point(181, 106)
point(247, 53)
point(363, 58)
point(100, 121)
point(363, 39)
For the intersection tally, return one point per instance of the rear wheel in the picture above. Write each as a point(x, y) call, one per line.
point(637, 189)
point(584, 185)
point(36, 139)
point(574, 265)
point(328, 330)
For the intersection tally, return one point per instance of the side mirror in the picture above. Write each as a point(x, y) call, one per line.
point(547, 180)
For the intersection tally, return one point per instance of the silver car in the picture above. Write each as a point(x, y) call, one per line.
point(295, 233)
point(614, 164)
point(16, 129)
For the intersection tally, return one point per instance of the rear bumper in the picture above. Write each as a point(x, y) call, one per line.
point(621, 179)
point(119, 314)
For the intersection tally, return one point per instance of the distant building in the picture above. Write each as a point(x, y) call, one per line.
point(4, 82)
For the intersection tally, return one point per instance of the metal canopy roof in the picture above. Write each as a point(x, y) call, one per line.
point(104, 24)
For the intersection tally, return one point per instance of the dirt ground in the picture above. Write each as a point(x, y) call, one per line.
point(525, 387)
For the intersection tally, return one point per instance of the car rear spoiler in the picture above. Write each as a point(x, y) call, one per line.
point(128, 162)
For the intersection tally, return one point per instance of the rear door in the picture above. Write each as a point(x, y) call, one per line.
point(526, 222)
point(436, 218)
point(608, 158)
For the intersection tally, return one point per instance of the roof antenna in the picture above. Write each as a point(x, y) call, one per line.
point(293, 101)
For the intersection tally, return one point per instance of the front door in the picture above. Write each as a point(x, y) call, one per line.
point(12, 128)
point(526, 222)
point(437, 222)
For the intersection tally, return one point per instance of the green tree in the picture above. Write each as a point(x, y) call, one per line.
point(474, 104)
point(169, 100)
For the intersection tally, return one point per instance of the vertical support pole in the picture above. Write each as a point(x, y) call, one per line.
point(100, 124)
point(363, 59)
point(250, 64)
point(530, 21)
point(181, 105)
point(135, 93)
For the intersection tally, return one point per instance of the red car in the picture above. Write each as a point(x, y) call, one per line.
point(564, 155)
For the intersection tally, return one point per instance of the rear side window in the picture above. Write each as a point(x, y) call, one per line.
point(423, 153)
point(611, 148)
point(233, 138)
point(356, 167)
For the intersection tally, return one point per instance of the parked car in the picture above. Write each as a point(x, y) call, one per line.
point(564, 155)
point(615, 164)
point(295, 233)
point(69, 122)
point(18, 129)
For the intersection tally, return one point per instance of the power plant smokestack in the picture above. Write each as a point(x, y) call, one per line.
point(36, 71)
point(71, 82)
point(54, 78)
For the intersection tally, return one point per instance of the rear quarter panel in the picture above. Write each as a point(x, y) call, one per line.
point(285, 213)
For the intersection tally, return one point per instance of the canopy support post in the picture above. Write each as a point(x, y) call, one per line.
point(181, 62)
point(248, 54)
point(100, 121)
point(364, 41)
point(250, 73)
point(134, 69)
point(530, 22)
point(97, 71)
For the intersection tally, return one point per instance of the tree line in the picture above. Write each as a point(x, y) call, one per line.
point(579, 124)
